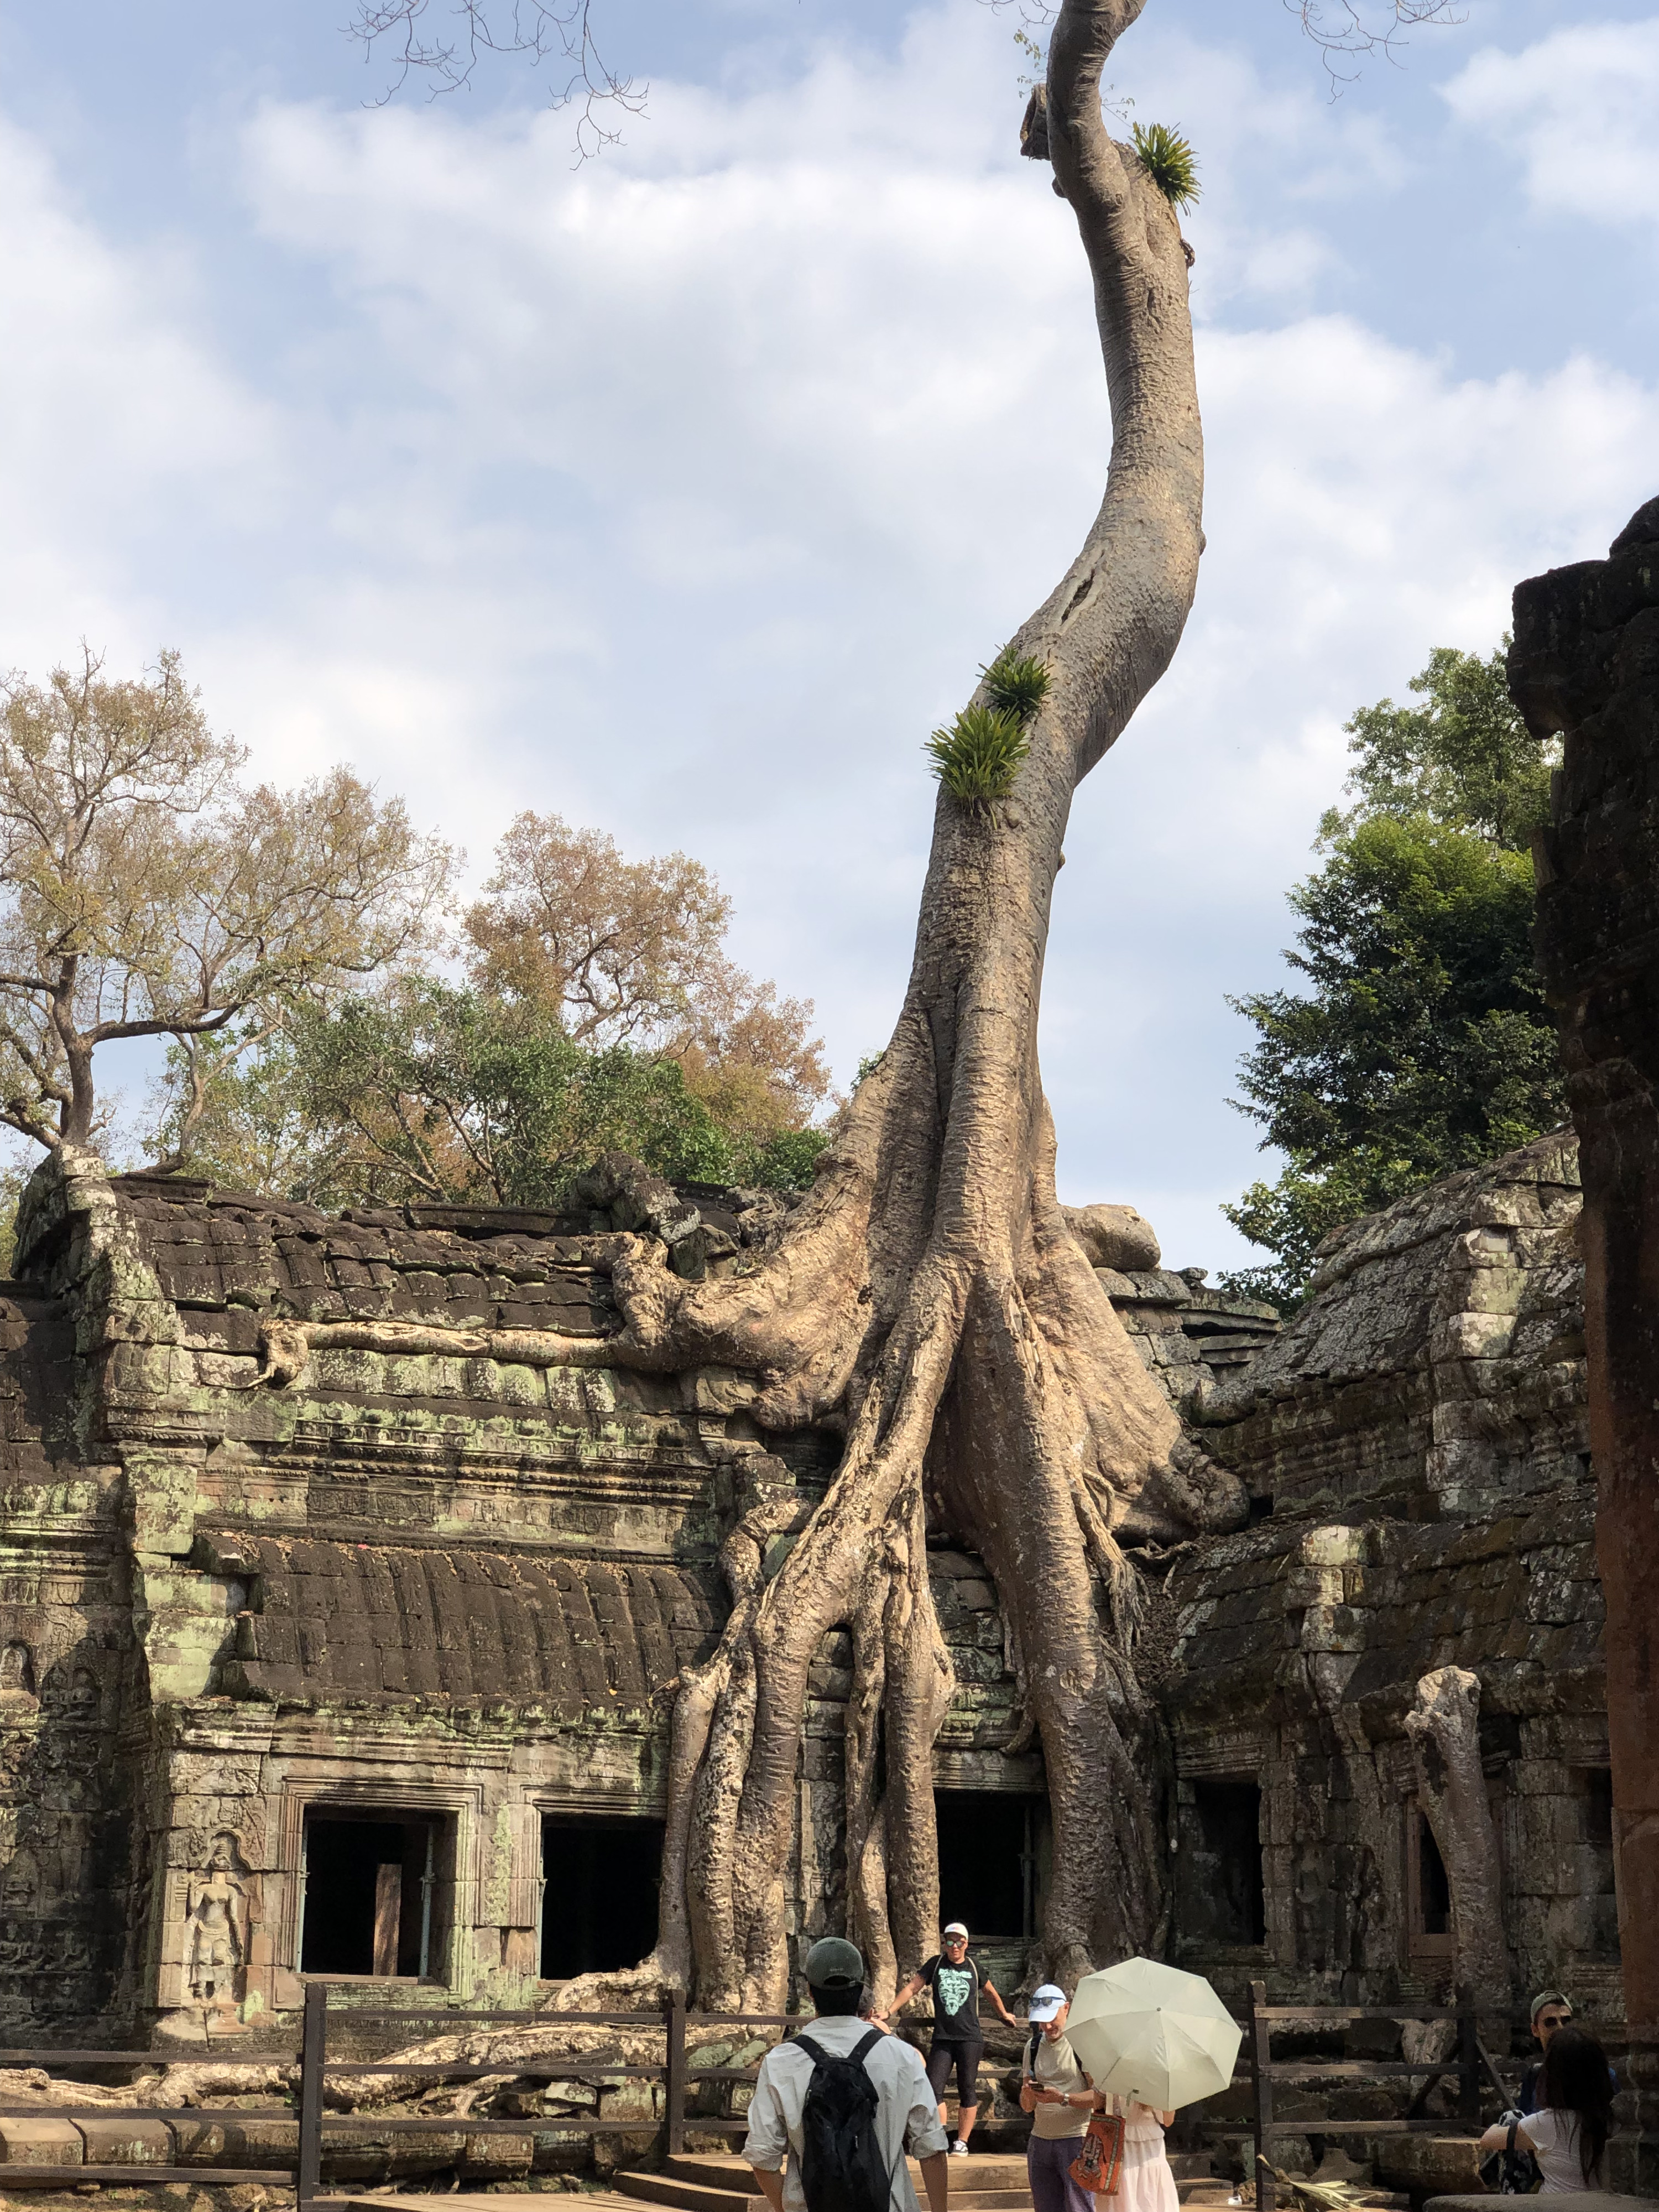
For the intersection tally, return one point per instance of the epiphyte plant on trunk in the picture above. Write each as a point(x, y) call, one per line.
point(978, 757)
point(928, 1301)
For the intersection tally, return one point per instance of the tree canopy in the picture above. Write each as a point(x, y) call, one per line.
point(440, 1093)
point(144, 892)
point(613, 952)
point(596, 1011)
point(1423, 1044)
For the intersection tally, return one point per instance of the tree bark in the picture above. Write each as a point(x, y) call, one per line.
point(931, 1299)
point(1451, 1785)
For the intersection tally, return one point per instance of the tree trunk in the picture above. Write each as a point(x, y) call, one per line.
point(1444, 1726)
point(929, 1298)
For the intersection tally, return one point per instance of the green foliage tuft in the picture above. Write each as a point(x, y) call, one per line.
point(1169, 161)
point(1018, 683)
point(978, 757)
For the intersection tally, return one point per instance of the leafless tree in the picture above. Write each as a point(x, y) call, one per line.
point(444, 44)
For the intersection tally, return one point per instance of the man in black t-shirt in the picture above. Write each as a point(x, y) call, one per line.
point(958, 2042)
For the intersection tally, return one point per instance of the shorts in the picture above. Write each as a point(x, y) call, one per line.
point(964, 2057)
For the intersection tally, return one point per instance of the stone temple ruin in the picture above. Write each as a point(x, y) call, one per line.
point(342, 1673)
point(319, 1659)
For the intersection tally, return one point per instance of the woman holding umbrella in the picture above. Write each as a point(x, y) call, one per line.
point(1061, 2098)
point(1152, 2039)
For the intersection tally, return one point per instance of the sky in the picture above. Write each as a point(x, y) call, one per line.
point(682, 490)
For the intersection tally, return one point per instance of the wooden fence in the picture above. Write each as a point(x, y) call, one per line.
point(1469, 2064)
point(679, 2080)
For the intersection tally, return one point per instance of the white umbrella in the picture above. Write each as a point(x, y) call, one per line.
point(1150, 2032)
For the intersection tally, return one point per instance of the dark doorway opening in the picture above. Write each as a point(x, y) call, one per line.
point(1433, 1890)
point(370, 1895)
point(988, 1862)
point(599, 1882)
point(1219, 1869)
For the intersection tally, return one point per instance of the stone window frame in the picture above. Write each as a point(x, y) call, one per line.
point(1232, 1760)
point(541, 1800)
point(320, 1785)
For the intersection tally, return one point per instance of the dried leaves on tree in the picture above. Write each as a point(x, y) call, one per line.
point(145, 891)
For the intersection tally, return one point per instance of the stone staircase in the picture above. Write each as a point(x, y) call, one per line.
point(988, 2181)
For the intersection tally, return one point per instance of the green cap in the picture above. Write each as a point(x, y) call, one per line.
point(833, 1963)
point(1551, 1998)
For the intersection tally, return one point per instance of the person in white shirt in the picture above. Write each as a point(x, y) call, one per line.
point(1568, 2133)
point(1061, 2097)
point(907, 2119)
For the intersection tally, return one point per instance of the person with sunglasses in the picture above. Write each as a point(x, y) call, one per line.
point(958, 2043)
point(1551, 2010)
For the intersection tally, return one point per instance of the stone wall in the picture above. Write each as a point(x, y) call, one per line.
point(1415, 1449)
point(453, 1590)
point(1585, 665)
point(449, 1589)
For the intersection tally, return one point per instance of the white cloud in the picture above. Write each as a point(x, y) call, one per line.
point(684, 493)
point(1579, 109)
point(112, 407)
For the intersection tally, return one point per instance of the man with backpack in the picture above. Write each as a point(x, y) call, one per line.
point(846, 2101)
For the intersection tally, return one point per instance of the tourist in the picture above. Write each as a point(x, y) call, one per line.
point(958, 2043)
point(904, 2116)
point(1061, 2098)
point(1568, 2132)
point(1550, 2010)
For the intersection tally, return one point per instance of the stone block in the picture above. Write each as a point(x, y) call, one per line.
point(224, 1370)
point(113, 2139)
point(41, 2142)
point(496, 2158)
point(1430, 2163)
point(252, 2139)
point(722, 1390)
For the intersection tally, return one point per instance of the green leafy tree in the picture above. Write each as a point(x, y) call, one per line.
point(438, 1093)
point(1423, 1044)
point(1464, 757)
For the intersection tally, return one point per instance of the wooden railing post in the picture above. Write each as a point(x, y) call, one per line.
point(1261, 2092)
point(1468, 2057)
point(313, 2050)
point(674, 2028)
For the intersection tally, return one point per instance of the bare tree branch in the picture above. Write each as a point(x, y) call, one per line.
point(539, 29)
point(1343, 30)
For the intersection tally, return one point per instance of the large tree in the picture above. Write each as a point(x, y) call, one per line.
point(1421, 1042)
point(144, 892)
point(614, 951)
point(599, 1011)
point(928, 1300)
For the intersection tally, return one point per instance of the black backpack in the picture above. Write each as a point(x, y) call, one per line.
point(842, 2167)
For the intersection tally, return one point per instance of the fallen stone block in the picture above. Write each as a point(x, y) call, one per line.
point(116, 2139)
point(41, 2142)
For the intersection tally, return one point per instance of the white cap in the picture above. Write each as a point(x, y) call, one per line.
point(955, 1927)
point(1045, 2003)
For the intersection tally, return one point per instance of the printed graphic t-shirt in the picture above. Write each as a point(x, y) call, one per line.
point(955, 1999)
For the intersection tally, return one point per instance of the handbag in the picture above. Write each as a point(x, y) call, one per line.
point(1510, 2171)
point(1099, 2163)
